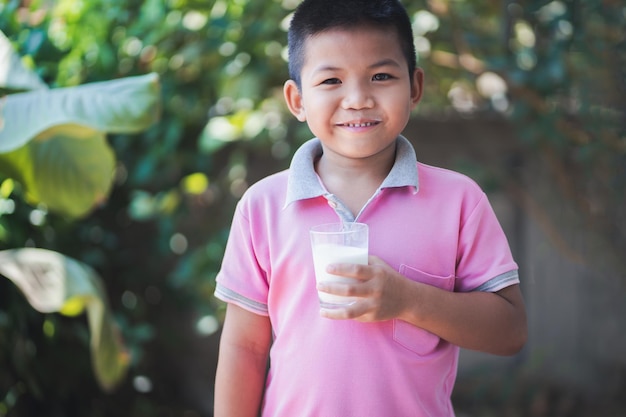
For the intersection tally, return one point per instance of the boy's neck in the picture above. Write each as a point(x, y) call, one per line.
point(354, 182)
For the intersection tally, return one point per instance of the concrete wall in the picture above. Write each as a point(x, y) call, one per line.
point(573, 277)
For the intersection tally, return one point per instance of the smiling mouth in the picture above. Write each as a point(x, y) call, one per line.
point(364, 124)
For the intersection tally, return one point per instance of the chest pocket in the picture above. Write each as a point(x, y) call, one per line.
point(409, 336)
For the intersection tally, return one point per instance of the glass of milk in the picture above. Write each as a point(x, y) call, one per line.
point(337, 243)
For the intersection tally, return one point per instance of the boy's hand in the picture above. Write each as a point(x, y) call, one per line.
point(381, 290)
point(477, 320)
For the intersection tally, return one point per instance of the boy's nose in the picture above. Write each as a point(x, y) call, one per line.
point(357, 97)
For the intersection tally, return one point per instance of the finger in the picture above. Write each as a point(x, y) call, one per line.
point(343, 288)
point(335, 313)
point(354, 311)
point(360, 310)
point(348, 270)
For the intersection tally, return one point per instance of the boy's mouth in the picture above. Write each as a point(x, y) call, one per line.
point(366, 124)
point(359, 124)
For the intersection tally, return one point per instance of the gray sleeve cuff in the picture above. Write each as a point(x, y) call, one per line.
point(230, 296)
point(499, 282)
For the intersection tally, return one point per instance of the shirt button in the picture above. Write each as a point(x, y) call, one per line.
point(332, 204)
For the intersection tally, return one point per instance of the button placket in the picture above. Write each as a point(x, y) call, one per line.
point(342, 211)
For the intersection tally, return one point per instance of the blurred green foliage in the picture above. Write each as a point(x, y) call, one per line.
point(555, 69)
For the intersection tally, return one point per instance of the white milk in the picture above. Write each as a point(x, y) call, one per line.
point(325, 254)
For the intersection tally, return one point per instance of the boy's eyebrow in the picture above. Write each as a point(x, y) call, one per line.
point(385, 62)
point(382, 63)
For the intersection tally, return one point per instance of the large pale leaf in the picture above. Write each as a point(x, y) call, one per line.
point(53, 282)
point(53, 142)
point(124, 105)
point(70, 172)
point(13, 74)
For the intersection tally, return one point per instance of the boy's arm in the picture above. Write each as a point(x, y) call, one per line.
point(489, 322)
point(242, 363)
point(485, 321)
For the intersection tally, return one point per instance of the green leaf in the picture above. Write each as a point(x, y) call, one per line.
point(52, 283)
point(53, 141)
point(124, 105)
point(13, 74)
point(70, 172)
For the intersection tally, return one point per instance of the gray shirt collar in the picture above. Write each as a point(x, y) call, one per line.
point(304, 183)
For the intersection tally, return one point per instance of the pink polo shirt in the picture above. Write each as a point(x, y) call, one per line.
point(430, 224)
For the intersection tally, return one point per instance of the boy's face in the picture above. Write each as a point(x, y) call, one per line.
point(356, 92)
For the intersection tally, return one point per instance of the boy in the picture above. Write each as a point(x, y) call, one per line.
point(440, 277)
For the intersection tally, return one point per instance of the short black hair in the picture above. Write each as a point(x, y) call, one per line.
point(316, 16)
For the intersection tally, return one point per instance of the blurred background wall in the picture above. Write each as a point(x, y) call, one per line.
point(572, 277)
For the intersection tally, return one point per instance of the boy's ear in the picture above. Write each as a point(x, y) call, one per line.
point(294, 100)
point(417, 86)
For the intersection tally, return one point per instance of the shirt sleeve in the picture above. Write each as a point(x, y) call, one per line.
point(241, 280)
point(484, 259)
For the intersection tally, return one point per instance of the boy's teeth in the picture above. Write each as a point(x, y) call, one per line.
point(360, 124)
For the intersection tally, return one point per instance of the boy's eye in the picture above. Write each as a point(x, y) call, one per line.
point(331, 81)
point(381, 77)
